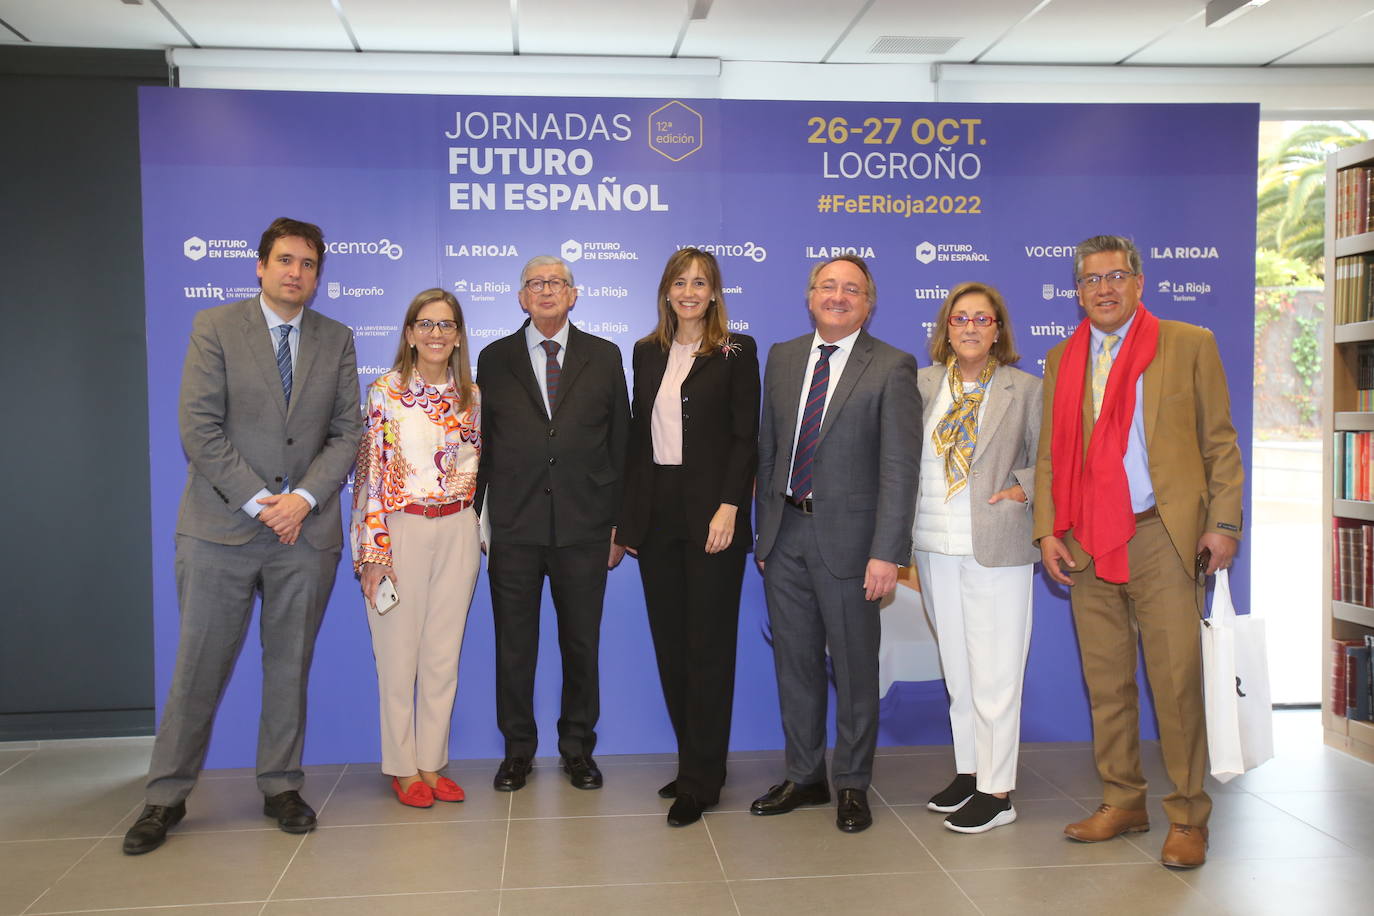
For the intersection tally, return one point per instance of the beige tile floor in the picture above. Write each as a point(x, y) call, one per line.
point(1295, 836)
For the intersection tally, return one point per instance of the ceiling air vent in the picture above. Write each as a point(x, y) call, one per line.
point(912, 44)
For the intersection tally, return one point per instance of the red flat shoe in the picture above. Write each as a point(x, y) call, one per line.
point(418, 795)
point(447, 790)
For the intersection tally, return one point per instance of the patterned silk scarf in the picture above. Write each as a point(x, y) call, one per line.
point(956, 434)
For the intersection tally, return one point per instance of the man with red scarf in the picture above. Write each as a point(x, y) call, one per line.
point(1138, 476)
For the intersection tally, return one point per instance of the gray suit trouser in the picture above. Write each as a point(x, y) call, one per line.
point(808, 609)
point(216, 584)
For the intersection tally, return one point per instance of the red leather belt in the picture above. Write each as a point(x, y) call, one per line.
point(458, 505)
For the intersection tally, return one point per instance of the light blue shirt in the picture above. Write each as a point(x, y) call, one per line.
point(1137, 458)
point(539, 360)
point(293, 340)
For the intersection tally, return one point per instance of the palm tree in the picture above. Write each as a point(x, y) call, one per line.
point(1291, 215)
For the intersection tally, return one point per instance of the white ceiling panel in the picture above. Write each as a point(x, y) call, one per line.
point(976, 25)
point(455, 26)
point(88, 24)
point(605, 27)
point(778, 30)
point(1256, 38)
point(1078, 32)
point(1351, 44)
point(296, 24)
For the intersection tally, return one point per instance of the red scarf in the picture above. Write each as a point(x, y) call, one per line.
point(1104, 522)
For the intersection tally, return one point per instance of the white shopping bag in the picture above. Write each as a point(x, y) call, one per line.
point(1235, 675)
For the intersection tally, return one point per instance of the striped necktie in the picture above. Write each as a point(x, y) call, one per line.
point(551, 372)
point(1102, 369)
point(284, 360)
point(810, 429)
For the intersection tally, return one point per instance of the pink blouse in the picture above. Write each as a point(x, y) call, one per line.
point(665, 422)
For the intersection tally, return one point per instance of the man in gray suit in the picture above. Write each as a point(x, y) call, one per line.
point(270, 424)
point(839, 451)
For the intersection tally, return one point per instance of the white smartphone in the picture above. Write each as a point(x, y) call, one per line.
point(386, 595)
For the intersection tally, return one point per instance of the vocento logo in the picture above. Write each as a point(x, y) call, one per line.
point(385, 247)
point(755, 252)
point(194, 248)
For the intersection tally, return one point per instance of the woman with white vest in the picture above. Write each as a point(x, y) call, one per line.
point(972, 542)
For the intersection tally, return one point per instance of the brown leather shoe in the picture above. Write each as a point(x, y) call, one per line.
point(1107, 822)
point(1185, 846)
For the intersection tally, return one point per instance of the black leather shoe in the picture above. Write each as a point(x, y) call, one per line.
point(669, 790)
point(510, 775)
point(150, 830)
point(685, 810)
point(582, 772)
point(853, 814)
point(789, 796)
point(292, 813)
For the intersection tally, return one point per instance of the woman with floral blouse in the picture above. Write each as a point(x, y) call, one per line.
point(413, 524)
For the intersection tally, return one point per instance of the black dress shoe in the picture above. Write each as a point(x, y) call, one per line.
point(669, 790)
point(685, 810)
point(150, 830)
point(853, 814)
point(292, 813)
point(582, 772)
point(789, 796)
point(510, 775)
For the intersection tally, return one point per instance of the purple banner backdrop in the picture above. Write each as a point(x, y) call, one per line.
point(414, 191)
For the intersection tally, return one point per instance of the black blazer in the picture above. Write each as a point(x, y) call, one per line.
point(571, 464)
point(720, 426)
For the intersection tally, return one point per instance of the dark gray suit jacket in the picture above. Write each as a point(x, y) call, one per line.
point(571, 464)
point(867, 461)
point(239, 435)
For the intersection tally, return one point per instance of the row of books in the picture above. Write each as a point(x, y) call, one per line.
point(1353, 209)
point(1352, 566)
point(1352, 687)
point(1354, 288)
point(1352, 465)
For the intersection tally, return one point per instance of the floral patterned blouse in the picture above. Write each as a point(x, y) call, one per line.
point(416, 448)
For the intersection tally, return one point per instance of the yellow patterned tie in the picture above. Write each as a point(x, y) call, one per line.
point(1101, 369)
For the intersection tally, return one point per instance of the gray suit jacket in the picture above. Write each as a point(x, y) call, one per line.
point(1008, 435)
point(866, 463)
point(239, 435)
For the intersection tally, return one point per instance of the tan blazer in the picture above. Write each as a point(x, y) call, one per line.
point(1195, 464)
point(1008, 433)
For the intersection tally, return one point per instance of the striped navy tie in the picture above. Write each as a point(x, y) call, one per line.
point(284, 361)
point(810, 431)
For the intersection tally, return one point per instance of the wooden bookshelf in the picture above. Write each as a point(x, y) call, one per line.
point(1340, 619)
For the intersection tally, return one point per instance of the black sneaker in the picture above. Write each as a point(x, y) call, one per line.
point(953, 796)
point(981, 813)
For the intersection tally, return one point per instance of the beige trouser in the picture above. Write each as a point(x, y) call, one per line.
point(1159, 607)
point(417, 642)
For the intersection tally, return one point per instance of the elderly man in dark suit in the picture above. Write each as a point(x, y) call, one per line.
point(555, 422)
point(270, 424)
point(839, 452)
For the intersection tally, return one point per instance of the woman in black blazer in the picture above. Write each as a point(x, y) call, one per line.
point(689, 481)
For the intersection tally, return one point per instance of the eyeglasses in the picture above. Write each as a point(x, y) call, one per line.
point(554, 285)
point(981, 321)
point(424, 326)
point(830, 288)
point(1113, 279)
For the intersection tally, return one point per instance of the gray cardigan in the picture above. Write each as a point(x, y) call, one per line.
point(1008, 435)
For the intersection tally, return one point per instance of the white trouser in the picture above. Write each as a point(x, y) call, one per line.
point(982, 617)
point(417, 642)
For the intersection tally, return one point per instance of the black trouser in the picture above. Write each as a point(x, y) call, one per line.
point(577, 580)
point(693, 603)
